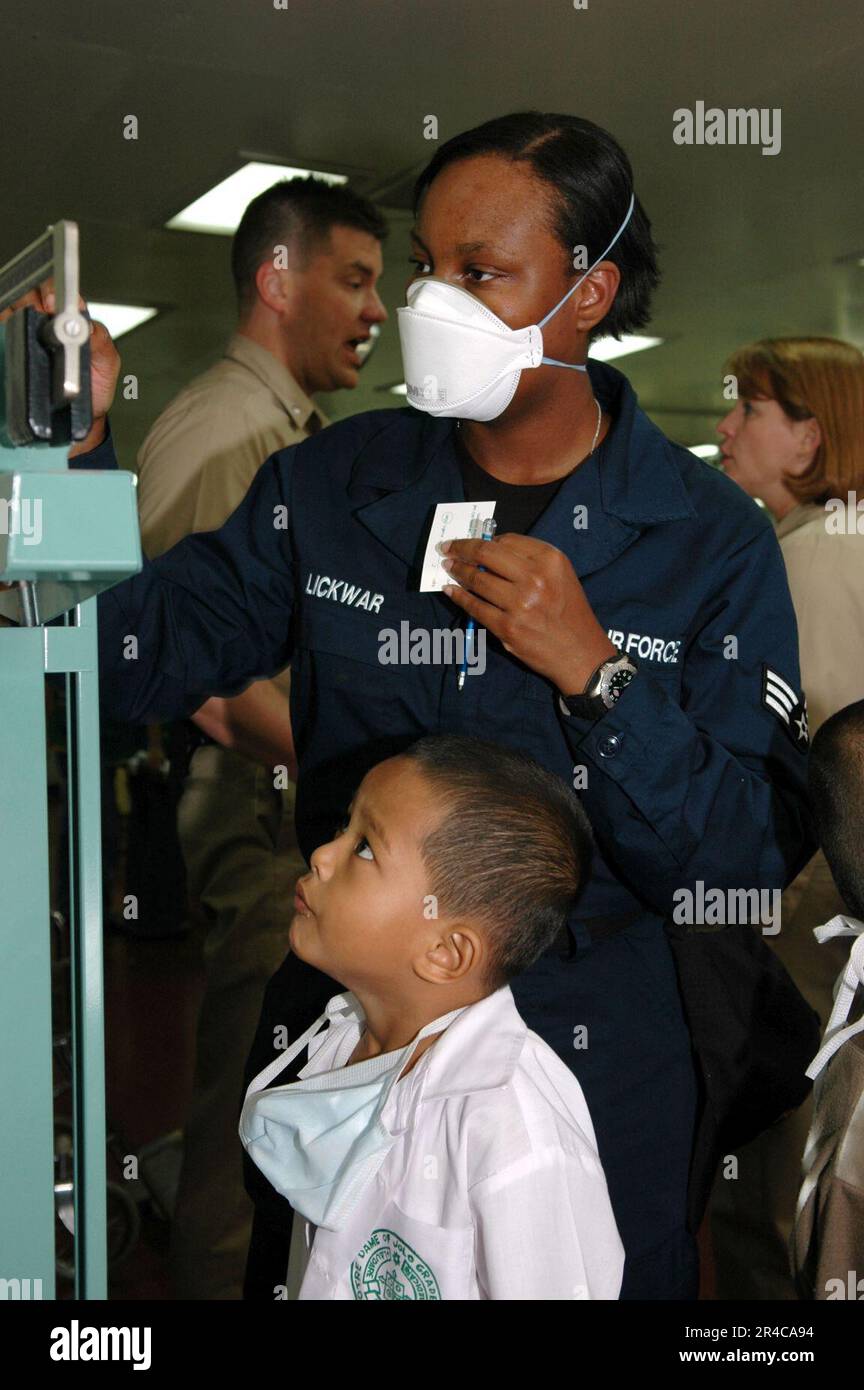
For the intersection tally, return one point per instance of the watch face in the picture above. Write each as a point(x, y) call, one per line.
point(613, 682)
point(619, 681)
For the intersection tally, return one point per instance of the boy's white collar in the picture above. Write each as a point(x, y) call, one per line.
point(477, 1052)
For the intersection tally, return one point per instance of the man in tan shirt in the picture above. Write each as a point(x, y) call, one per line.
point(306, 259)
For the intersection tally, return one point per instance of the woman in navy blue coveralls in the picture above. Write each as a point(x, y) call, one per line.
point(689, 777)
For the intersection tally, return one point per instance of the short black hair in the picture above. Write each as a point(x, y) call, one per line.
point(836, 778)
point(298, 213)
point(513, 850)
point(591, 180)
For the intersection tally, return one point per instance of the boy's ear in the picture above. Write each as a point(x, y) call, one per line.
point(455, 953)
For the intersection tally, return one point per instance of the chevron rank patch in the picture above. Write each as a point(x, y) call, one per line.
point(790, 709)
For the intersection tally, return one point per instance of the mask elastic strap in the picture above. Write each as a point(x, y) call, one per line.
point(437, 1025)
point(585, 276)
point(280, 1062)
point(850, 982)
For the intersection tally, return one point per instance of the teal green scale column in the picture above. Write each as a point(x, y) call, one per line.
point(88, 539)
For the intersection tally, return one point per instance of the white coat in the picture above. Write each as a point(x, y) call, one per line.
point(493, 1188)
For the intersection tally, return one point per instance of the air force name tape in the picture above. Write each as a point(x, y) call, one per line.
point(789, 708)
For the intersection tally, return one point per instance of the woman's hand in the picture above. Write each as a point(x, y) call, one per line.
point(529, 595)
point(104, 361)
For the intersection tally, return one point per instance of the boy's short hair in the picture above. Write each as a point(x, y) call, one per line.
point(513, 850)
point(836, 777)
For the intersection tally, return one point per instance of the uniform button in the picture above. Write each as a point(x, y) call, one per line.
point(608, 747)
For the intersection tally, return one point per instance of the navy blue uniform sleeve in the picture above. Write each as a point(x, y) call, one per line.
point(208, 617)
point(713, 788)
point(102, 457)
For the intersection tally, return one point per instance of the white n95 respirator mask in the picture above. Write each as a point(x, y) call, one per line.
point(460, 359)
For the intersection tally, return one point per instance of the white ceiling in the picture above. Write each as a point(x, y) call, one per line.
point(751, 244)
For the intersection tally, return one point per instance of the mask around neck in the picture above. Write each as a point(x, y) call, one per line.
point(321, 1140)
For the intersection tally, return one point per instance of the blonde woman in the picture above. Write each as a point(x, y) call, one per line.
point(795, 441)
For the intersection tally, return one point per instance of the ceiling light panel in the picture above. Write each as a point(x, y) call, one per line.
point(219, 210)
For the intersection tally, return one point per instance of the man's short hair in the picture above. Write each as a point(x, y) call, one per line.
point(836, 777)
point(513, 851)
point(299, 214)
point(589, 182)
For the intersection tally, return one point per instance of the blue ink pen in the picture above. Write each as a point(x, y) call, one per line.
point(470, 627)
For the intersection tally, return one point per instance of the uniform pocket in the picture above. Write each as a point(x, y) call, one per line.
point(345, 633)
point(366, 668)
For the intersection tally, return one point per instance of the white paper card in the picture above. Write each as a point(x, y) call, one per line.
point(453, 521)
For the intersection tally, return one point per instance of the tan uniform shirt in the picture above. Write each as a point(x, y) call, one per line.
point(200, 458)
point(826, 580)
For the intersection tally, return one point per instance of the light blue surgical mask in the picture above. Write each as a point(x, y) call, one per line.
point(321, 1140)
point(460, 359)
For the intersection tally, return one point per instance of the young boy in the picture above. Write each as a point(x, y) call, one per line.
point(436, 1147)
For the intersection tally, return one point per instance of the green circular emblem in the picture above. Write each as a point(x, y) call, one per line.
point(387, 1269)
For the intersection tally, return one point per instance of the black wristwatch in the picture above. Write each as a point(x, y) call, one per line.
point(602, 689)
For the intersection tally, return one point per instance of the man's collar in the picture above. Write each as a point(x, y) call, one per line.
point(305, 414)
